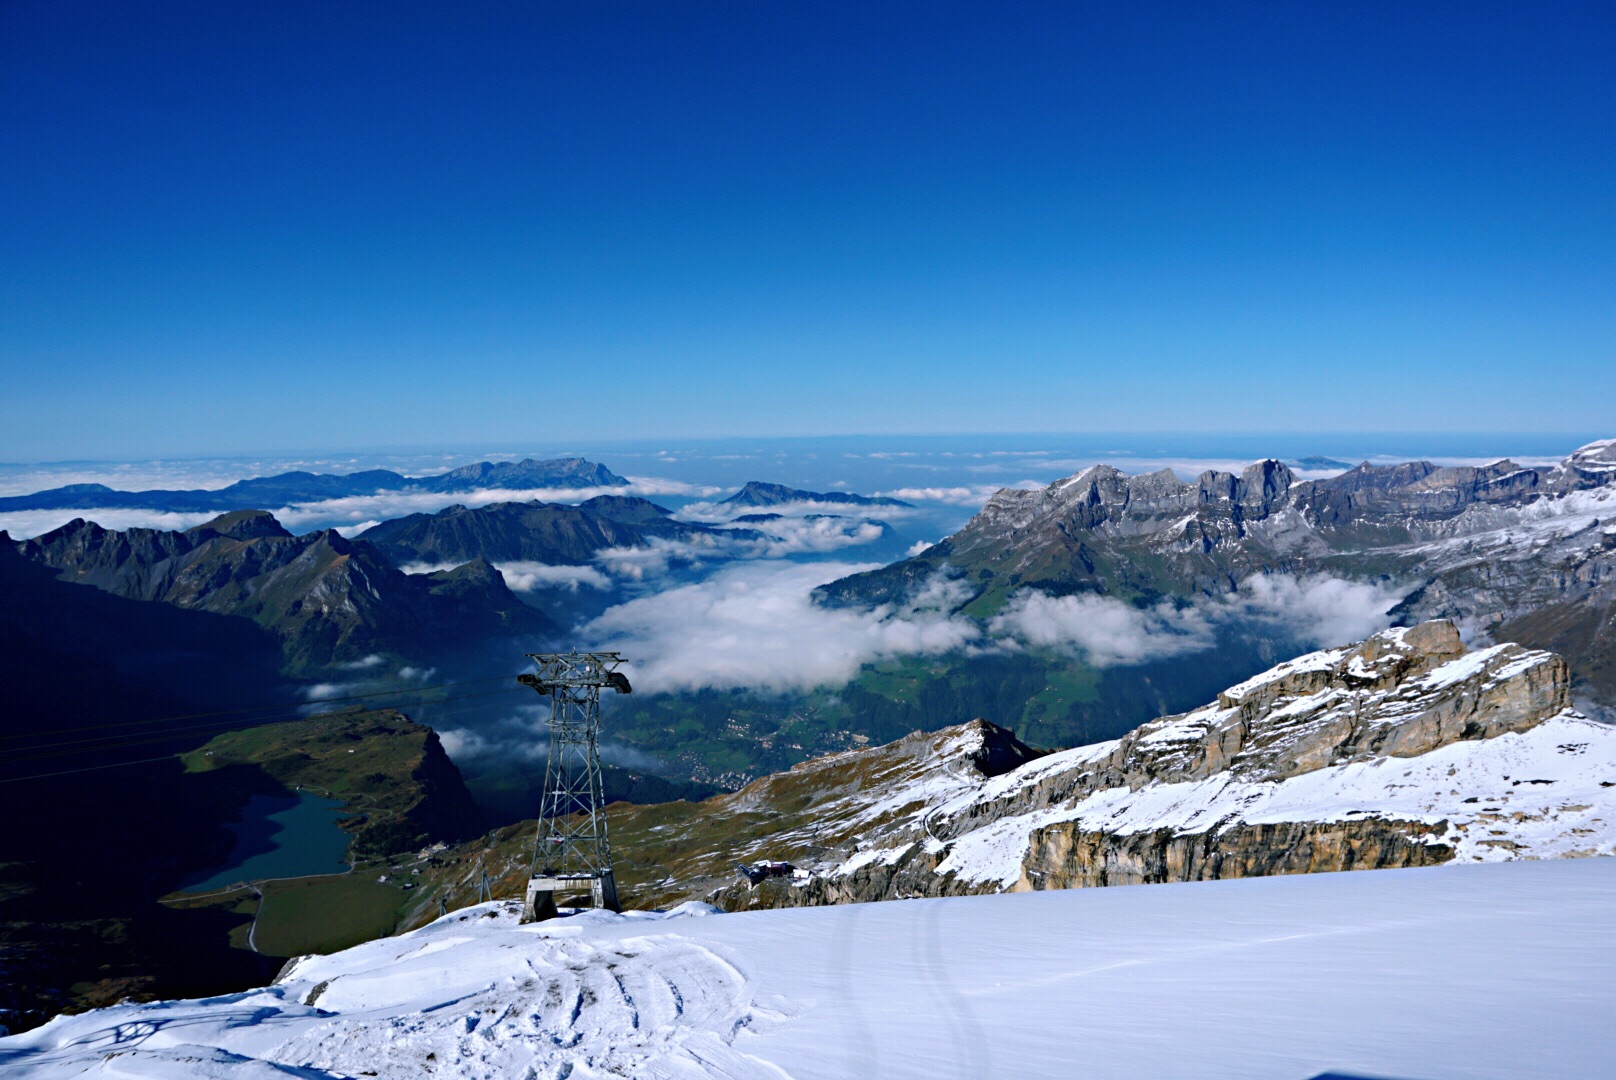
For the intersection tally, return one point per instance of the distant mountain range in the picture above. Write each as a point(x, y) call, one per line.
point(1516, 553)
point(533, 531)
point(758, 494)
point(327, 599)
point(294, 488)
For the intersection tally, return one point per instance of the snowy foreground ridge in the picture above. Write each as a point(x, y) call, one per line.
point(1497, 971)
point(1406, 749)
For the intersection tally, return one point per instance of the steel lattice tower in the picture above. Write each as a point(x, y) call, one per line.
point(570, 850)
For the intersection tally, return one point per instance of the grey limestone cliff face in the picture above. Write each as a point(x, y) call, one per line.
point(1064, 857)
point(1378, 698)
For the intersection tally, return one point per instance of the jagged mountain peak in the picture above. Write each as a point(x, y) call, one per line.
point(568, 471)
point(1511, 551)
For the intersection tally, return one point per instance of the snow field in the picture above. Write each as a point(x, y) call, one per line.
point(1491, 971)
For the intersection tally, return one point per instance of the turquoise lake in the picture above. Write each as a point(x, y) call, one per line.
point(277, 837)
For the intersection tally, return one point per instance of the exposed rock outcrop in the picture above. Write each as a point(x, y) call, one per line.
point(1063, 857)
point(1402, 750)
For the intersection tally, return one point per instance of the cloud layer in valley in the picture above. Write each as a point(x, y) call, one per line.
point(26, 524)
point(1316, 610)
point(646, 563)
point(754, 625)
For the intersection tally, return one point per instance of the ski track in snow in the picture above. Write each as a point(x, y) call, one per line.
point(1489, 972)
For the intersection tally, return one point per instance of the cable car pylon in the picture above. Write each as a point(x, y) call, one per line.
point(570, 849)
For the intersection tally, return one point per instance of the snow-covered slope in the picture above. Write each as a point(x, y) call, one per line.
point(1499, 971)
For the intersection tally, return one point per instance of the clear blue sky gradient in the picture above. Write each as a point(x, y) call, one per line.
point(234, 226)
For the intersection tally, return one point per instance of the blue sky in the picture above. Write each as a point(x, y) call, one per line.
point(235, 227)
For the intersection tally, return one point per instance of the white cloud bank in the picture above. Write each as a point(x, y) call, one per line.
point(1108, 631)
point(754, 625)
point(718, 513)
point(779, 540)
point(973, 495)
point(1313, 610)
point(26, 524)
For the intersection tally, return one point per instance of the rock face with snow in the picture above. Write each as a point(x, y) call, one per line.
point(1514, 553)
point(1401, 693)
point(1401, 750)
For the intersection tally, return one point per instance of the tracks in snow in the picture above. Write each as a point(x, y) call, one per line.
point(574, 1008)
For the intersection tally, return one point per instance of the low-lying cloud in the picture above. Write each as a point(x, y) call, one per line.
point(356, 509)
point(1106, 630)
point(1317, 610)
point(973, 495)
point(809, 536)
point(717, 513)
point(524, 737)
point(527, 576)
point(755, 626)
point(363, 676)
point(26, 524)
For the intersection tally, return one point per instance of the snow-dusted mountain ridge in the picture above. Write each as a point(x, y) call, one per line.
point(1402, 750)
point(1511, 553)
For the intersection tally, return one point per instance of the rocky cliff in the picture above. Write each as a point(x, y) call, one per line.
point(1402, 750)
